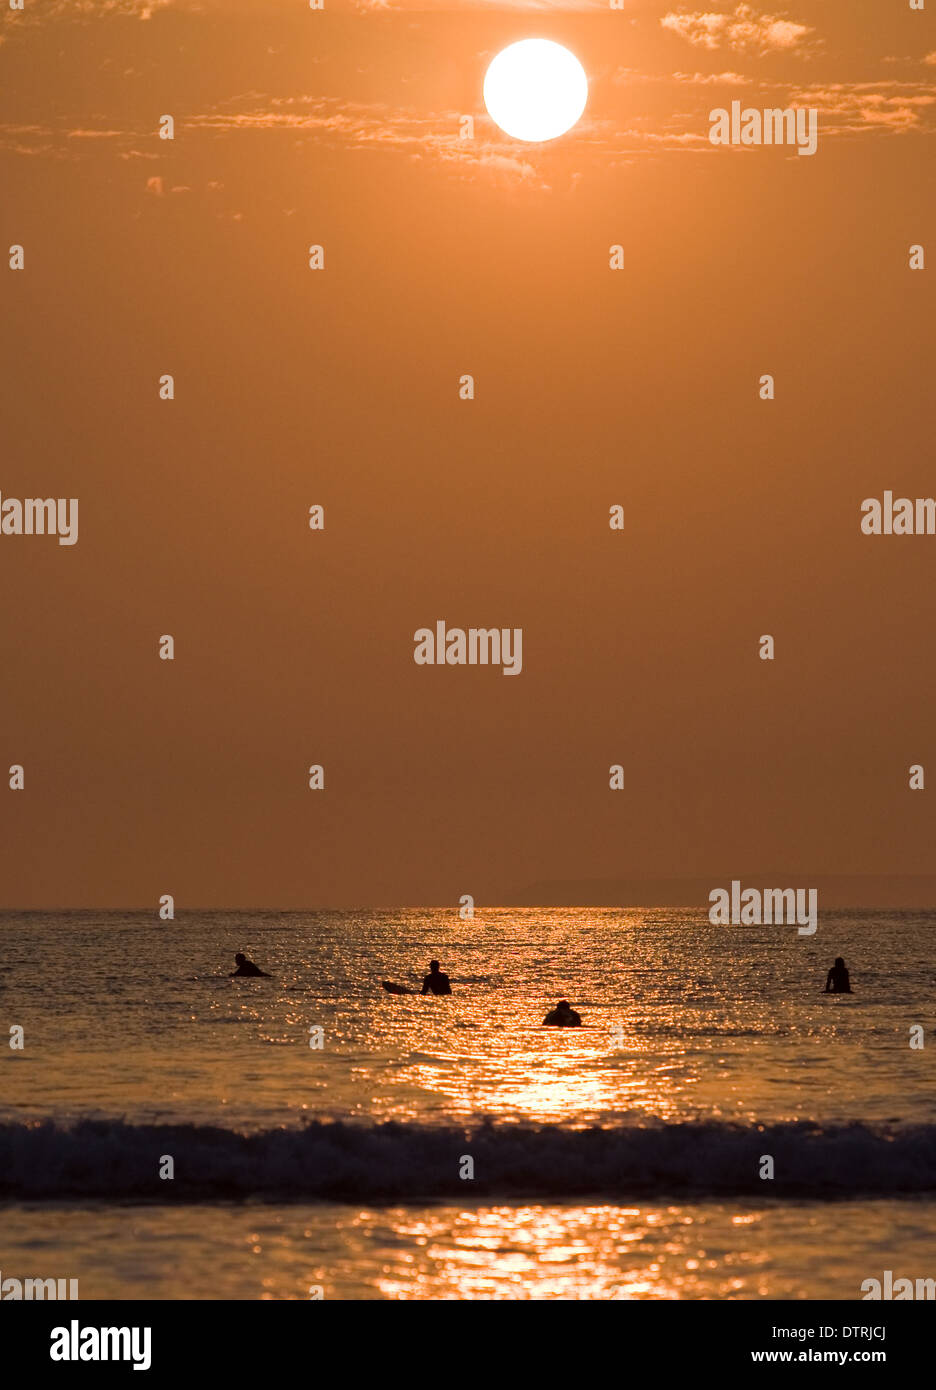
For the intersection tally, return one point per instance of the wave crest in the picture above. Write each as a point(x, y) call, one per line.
point(335, 1161)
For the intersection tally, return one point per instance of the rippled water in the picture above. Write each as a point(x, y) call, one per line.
point(594, 1250)
point(703, 1048)
point(127, 1017)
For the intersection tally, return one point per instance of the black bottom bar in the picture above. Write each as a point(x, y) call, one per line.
point(282, 1339)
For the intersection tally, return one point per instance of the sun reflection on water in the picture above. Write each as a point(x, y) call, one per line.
point(572, 1252)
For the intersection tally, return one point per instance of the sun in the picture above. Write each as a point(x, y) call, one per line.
point(535, 89)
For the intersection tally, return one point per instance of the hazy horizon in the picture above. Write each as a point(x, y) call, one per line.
point(838, 892)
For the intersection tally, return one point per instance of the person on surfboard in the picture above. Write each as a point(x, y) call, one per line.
point(562, 1016)
point(436, 982)
point(837, 981)
point(247, 967)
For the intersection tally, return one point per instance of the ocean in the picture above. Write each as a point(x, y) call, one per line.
point(451, 1148)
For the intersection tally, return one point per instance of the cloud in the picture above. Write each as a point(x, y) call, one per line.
point(92, 11)
point(434, 135)
point(890, 106)
point(434, 6)
point(702, 30)
point(860, 107)
point(742, 31)
point(931, 58)
point(707, 79)
point(623, 77)
point(682, 137)
point(101, 9)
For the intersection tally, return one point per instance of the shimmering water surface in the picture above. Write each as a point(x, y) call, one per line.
point(136, 1023)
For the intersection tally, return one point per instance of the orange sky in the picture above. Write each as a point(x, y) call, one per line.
point(293, 387)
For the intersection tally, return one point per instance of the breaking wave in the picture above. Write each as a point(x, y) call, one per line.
point(334, 1161)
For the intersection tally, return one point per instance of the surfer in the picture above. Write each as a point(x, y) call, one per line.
point(247, 967)
point(562, 1016)
point(837, 981)
point(436, 982)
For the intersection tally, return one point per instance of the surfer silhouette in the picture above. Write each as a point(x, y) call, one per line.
point(436, 982)
point(247, 967)
point(562, 1016)
point(837, 981)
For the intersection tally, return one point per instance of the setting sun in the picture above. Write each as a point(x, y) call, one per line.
point(535, 90)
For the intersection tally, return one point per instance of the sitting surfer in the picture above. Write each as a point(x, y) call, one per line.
point(562, 1016)
point(436, 982)
point(837, 981)
point(247, 967)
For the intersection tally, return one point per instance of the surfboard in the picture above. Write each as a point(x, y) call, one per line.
point(391, 988)
point(551, 1028)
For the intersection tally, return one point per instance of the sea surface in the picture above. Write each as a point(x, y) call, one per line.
point(438, 1148)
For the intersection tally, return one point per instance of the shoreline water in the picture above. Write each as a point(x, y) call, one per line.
point(583, 1250)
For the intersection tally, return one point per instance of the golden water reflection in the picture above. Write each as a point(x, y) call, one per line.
point(553, 1076)
point(576, 1252)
